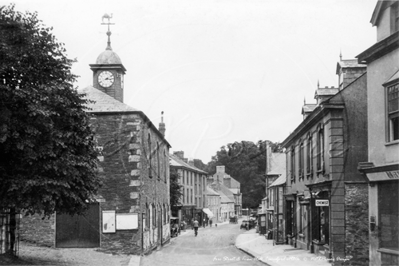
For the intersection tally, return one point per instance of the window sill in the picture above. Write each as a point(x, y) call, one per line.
point(394, 142)
point(388, 251)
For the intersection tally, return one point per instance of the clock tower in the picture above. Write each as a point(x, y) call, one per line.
point(108, 71)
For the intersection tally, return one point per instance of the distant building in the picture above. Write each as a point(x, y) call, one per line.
point(221, 177)
point(381, 168)
point(230, 198)
point(213, 203)
point(193, 181)
point(272, 207)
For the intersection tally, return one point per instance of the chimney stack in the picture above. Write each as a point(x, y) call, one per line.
point(179, 154)
point(162, 128)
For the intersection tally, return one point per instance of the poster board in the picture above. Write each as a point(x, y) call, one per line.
point(127, 221)
point(108, 222)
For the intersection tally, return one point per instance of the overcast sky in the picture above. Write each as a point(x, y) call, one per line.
point(221, 70)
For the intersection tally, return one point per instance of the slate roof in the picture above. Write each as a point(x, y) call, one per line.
point(279, 181)
point(177, 162)
point(235, 190)
point(210, 191)
point(277, 164)
point(102, 102)
point(327, 91)
point(348, 63)
point(394, 77)
point(308, 108)
point(225, 198)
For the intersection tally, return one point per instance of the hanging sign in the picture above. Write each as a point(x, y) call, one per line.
point(322, 202)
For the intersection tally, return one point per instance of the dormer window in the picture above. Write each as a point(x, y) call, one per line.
point(393, 111)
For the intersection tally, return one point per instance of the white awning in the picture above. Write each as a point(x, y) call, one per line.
point(208, 212)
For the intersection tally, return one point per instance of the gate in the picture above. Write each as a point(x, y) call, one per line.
point(78, 231)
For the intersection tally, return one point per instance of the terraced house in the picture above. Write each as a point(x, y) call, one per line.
point(326, 197)
point(193, 182)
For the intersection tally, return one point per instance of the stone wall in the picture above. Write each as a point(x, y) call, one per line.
point(37, 230)
point(356, 224)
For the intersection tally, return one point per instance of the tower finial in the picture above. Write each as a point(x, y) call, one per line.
point(340, 55)
point(106, 16)
point(318, 84)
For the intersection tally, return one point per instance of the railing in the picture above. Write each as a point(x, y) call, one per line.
point(9, 232)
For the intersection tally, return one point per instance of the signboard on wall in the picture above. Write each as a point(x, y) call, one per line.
point(127, 221)
point(322, 203)
point(108, 222)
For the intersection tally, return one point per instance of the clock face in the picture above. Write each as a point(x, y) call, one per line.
point(106, 79)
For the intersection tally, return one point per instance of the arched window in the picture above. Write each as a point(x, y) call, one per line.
point(149, 216)
point(301, 160)
point(320, 149)
point(166, 164)
point(149, 156)
point(309, 156)
point(158, 162)
point(293, 164)
point(154, 215)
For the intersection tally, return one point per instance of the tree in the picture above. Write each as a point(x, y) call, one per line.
point(175, 188)
point(245, 161)
point(48, 158)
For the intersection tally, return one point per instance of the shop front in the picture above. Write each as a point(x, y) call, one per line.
point(383, 214)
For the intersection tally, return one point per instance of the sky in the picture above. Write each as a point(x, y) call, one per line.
point(220, 70)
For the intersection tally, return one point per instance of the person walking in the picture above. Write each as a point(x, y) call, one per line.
point(195, 223)
point(210, 222)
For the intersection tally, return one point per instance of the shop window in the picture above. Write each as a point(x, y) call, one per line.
point(388, 215)
point(393, 112)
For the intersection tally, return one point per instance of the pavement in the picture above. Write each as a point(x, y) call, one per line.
point(250, 242)
point(264, 250)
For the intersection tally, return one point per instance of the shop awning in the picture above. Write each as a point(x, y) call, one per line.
point(208, 212)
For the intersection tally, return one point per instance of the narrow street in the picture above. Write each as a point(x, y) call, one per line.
point(212, 246)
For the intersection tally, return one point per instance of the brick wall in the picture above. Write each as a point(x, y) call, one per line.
point(356, 223)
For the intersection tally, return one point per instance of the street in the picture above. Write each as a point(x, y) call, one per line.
point(212, 246)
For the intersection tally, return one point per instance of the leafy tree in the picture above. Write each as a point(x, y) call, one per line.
point(199, 164)
point(47, 151)
point(245, 161)
point(175, 191)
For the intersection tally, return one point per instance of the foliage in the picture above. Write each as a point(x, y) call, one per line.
point(47, 151)
point(199, 164)
point(175, 188)
point(245, 161)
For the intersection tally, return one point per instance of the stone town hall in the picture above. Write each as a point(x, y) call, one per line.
point(131, 213)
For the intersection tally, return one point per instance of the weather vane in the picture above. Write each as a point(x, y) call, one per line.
point(106, 16)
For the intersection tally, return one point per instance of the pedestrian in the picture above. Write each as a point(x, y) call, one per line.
point(203, 224)
point(210, 222)
point(195, 223)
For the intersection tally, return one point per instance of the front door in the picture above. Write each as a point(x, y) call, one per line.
point(78, 231)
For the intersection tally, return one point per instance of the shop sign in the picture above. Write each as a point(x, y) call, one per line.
point(322, 203)
point(383, 176)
